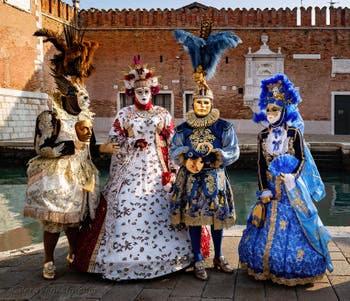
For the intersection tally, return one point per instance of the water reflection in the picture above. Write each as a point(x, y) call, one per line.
point(16, 231)
point(334, 209)
point(13, 234)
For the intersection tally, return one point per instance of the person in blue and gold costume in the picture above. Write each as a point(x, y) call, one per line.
point(203, 145)
point(285, 240)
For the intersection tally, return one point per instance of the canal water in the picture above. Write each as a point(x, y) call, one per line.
point(16, 231)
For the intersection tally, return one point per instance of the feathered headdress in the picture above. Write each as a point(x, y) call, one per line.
point(280, 91)
point(205, 51)
point(140, 76)
point(70, 66)
point(75, 53)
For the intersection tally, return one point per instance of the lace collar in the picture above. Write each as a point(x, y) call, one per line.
point(144, 113)
point(206, 121)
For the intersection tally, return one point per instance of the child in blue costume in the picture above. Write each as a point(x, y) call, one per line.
point(285, 240)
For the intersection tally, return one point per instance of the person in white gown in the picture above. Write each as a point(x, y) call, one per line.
point(138, 240)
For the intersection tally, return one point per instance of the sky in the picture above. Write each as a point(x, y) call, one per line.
point(162, 4)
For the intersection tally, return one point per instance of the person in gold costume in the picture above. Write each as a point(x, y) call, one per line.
point(63, 182)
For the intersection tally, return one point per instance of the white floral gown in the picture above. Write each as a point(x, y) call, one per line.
point(140, 241)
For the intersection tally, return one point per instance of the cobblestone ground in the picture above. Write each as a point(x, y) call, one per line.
point(20, 279)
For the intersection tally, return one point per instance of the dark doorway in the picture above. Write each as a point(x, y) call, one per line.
point(342, 115)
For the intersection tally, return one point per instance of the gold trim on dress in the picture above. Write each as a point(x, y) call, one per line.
point(92, 262)
point(281, 280)
point(270, 235)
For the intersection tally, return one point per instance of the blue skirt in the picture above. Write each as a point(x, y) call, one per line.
point(204, 198)
point(279, 250)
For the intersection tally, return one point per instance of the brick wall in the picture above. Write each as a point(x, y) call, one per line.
point(24, 65)
point(24, 61)
point(149, 34)
point(18, 50)
point(185, 17)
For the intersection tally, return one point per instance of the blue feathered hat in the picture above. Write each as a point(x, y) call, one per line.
point(205, 52)
point(279, 90)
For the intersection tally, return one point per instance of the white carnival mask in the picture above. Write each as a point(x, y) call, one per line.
point(143, 95)
point(273, 113)
point(83, 99)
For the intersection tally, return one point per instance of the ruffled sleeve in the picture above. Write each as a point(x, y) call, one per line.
point(229, 153)
point(46, 133)
point(178, 147)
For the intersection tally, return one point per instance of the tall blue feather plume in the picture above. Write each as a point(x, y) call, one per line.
point(216, 45)
point(192, 45)
point(207, 52)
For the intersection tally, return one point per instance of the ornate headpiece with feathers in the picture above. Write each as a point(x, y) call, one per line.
point(205, 51)
point(279, 90)
point(75, 55)
point(70, 66)
point(139, 75)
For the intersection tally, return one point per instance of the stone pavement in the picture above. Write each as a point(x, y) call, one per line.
point(20, 279)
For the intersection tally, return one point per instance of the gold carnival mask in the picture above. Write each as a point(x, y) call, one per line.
point(202, 106)
point(194, 165)
point(83, 129)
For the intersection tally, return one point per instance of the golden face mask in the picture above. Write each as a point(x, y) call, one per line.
point(83, 129)
point(194, 165)
point(202, 106)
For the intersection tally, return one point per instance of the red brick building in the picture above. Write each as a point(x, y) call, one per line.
point(312, 46)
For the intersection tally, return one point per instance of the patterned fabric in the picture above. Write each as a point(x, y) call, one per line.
point(57, 227)
point(204, 198)
point(139, 240)
point(282, 248)
point(63, 182)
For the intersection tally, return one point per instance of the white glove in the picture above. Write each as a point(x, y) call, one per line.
point(53, 152)
point(289, 180)
point(266, 194)
point(168, 187)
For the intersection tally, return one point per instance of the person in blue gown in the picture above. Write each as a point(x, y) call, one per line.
point(284, 239)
